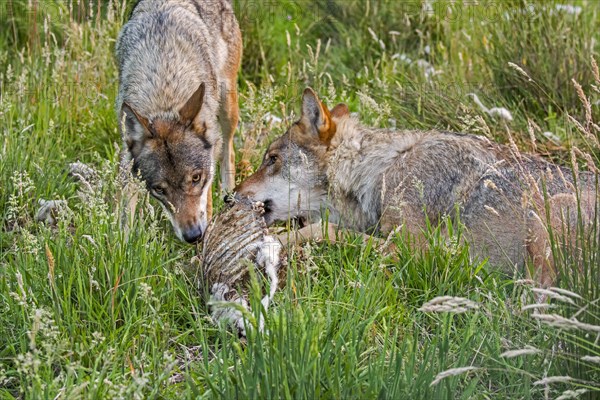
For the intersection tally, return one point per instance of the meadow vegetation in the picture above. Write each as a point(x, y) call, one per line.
point(89, 311)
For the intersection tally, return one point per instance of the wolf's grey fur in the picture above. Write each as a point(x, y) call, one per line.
point(380, 180)
point(177, 99)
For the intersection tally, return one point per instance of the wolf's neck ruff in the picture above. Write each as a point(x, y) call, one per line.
point(357, 161)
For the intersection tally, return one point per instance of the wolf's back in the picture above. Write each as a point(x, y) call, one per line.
point(167, 49)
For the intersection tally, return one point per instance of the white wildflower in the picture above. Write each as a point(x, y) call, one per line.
point(495, 112)
point(145, 292)
point(402, 57)
point(552, 137)
point(568, 9)
point(272, 119)
point(427, 69)
point(97, 338)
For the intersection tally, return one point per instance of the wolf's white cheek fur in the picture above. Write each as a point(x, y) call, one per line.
point(290, 200)
point(203, 206)
point(282, 195)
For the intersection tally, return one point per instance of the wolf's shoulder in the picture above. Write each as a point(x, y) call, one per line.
point(217, 15)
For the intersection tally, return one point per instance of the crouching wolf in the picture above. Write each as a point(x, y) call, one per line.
point(177, 103)
point(379, 180)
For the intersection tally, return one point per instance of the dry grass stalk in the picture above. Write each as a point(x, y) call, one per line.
point(450, 304)
point(451, 372)
point(585, 132)
point(566, 323)
point(531, 130)
point(537, 306)
point(553, 379)
point(50, 259)
point(589, 162)
point(593, 359)
point(520, 352)
point(565, 292)
point(571, 394)
point(520, 70)
point(595, 70)
point(586, 103)
point(552, 294)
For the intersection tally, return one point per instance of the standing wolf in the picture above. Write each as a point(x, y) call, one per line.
point(177, 103)
point(380, 180)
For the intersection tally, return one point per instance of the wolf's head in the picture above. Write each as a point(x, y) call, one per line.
point(176, 161)
point(291, 180)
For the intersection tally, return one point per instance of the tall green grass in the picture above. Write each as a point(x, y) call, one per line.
point(89, 311)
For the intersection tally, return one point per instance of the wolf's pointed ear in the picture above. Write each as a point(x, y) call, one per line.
point(133, 125)
point(340, 111)
point(192, 107)
point(316, 116)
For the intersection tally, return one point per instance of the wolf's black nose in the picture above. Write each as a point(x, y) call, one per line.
point(193, 235)
point(229, 198)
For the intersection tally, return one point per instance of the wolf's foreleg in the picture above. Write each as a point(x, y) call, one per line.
point(228, 118)
point(330, 233)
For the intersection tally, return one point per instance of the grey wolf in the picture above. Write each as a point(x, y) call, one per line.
point(177, 103)
point(385, 181)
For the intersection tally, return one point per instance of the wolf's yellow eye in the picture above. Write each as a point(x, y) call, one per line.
point(196, 178)
point(158, 190)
